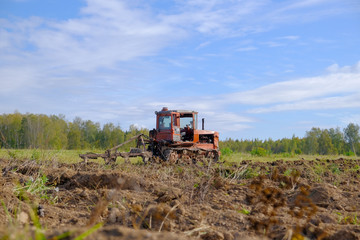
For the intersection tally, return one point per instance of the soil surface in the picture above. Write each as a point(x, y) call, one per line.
point(250, 200)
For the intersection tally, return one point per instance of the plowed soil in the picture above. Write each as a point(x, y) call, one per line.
point(250, 200)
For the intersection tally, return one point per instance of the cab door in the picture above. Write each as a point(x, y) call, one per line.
point(175, 120)
point(164, 129)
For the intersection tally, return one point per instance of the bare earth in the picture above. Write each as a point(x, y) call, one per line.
point(251, 200)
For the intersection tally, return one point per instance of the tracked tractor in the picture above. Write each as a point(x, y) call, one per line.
point(176, 138)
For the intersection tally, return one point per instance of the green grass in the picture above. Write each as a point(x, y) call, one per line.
point(66, 156)
point(62, 156)
point(72, 156)
point(238, 157)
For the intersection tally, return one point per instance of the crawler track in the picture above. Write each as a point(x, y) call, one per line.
point(156, 152)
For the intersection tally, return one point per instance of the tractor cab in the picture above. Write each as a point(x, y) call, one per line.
point(175, 125)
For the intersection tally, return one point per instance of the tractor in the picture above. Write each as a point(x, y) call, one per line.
point(175, 139)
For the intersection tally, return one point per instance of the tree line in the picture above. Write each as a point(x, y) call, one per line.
point(316, 141)
point(54, 132)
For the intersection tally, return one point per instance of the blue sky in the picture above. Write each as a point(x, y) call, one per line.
point(252, 69)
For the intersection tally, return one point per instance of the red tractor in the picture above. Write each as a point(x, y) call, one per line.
point(175, 139)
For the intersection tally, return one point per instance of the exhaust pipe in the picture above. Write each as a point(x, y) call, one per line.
point(203, 122)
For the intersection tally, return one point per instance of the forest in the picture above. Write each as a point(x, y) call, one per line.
point(331, 141)
point(22, 131)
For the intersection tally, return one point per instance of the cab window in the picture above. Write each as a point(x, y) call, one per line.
point(186, 120)
point(164, 122)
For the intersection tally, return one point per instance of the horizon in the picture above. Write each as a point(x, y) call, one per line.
point(101, 125)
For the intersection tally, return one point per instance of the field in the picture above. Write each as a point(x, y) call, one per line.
point(53, 195)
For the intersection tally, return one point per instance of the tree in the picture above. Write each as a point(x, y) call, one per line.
point(90, 134)
point(74, 136)
point(325, 144)
point(106, 138)
point(31, 131)
point(295, 145)
point(59, 130)
point(311, 141)
point(352, 137)
point(337, 139)
point(10, 126)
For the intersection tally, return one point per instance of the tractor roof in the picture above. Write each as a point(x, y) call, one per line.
point(166, 110)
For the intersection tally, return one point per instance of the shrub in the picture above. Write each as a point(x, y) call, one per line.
point(226, 151)
point(258, 151)
point(349, 153)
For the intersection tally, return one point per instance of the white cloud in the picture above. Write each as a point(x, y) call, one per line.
point(302, 4)
point(334, 68)
point(338, 89)
point(290, 37)
point(216, 17)
point(246, 49)
point(202, 45)
point(285, 12)
point(352, 101)
point(273, 44)
point(109, 32)
point(36, 51)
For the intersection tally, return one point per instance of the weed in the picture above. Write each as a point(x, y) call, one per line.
point(13, 154)
point(355, 220)
point(288, 172)
point(17, 230)
point(348, 219)
point(35, 155)
point(200, 173)
point(335, 169)
point(179, 170)
point(89, 231)
point(167, 214)
point(38, 232)
point(37, 187)
point(251, 173)
point(7, 212)
point(356, 167)
point(340, 218)
point(244, 211)
point(319, 169)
